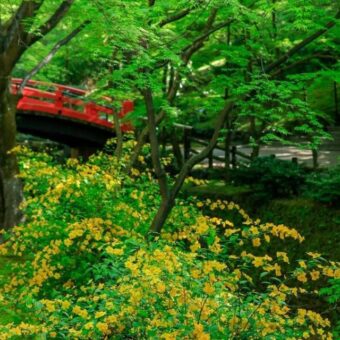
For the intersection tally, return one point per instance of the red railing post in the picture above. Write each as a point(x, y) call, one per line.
point(59, 100)
point(90, 109)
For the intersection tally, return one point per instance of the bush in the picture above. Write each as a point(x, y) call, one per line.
point(88, 271)
point(271, 177)
point(324, 186)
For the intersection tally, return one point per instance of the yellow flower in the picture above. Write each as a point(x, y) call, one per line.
point(49, 305)
point(302, 264)
point(99, 314)
point(208, 288)
point(81, 312)
point(256, 242)
point(68, 242)
point(314, 255)
point(254, 230)
point(112, 319)
point(65, 304)
point(229, 232)
point(302, 277)
point(277, 269)
point(199, 332)
point(103, 327)
point(114, 251)
point(328, 272)
point(315, 275)
point(233, 322)
point(196, 274)
point(88, 325)
point(258, 261)
point(283, 255)
point(135, 172)
point(160, 287)
point(194, 247)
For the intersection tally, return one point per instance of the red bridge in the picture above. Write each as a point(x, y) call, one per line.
point(65, 114)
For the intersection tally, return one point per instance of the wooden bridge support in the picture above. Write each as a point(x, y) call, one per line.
point(81, 152)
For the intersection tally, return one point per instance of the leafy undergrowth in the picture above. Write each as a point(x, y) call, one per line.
point(6, 263)
point(319, 223)
point(89, 271)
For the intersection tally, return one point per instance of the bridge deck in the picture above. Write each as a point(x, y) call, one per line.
point(67, 114)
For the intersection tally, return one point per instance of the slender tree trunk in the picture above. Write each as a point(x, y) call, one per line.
point(141, 141)
point(227, 148)
point(15, 39)
point(336, 103)
point(255, 152)
point(169, 201)
point(10, 185)
point(119, 136)
point(155, 154)
point(176, 150)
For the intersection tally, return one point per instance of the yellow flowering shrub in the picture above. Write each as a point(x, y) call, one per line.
point(87, 270)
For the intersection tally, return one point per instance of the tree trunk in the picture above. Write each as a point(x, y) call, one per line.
point(141, 141)
point(155, 154)
point(176, 150)
point(255, 152)
point(227, 148)
point(10, 185)
point(119, 136)
point(168, 202)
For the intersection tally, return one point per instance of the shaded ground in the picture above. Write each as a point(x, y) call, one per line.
point(325, 158)
point(319, 223)
point(328, 155)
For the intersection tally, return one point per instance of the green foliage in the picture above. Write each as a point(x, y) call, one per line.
point(271, 177)
point(127, 46)
point(86, 269)
point(333, 296)
point(324, 186)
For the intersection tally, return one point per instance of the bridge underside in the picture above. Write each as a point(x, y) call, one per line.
point(65, 131)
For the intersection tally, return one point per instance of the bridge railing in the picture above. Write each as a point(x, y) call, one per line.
point(68, 102)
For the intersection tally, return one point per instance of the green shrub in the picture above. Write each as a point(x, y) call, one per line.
point(87, 271)
point(270, 177)
point(324, 186)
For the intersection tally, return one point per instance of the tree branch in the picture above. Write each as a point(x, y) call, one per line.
point(172, 92)
point(199, 42)
point(51, 54)
point(302, 61)
point(51, 22)
point(300, 46)
point(175, 17)
point(188, 52)
point(14, 28)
